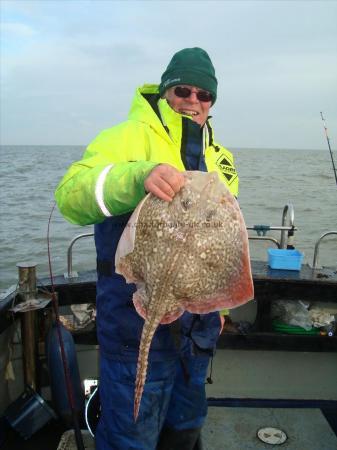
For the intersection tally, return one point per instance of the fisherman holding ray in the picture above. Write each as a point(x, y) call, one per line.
point(167, 132)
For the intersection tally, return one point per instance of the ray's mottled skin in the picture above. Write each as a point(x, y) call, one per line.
point(190, 254)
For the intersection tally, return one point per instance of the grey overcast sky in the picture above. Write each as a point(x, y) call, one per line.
point(70, 68)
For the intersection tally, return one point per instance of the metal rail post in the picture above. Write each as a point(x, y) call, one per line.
point(70, 273)
point(288, 210)
point(316, 251)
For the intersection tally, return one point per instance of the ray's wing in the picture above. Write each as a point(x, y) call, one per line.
point(124, 263)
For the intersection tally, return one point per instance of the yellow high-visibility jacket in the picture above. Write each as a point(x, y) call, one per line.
point(109, 180)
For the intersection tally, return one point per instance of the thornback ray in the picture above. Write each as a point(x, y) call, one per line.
point(190, 254)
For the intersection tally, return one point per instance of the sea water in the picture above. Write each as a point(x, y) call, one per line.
point(269, 180)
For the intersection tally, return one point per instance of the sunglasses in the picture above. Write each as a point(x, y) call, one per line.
point(185, 92)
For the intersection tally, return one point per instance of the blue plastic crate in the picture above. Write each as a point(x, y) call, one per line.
point(284, 259)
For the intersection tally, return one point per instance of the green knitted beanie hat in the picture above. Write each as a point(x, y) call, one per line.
point(190, 66)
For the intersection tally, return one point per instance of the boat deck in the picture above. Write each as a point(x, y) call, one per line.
point(232, 428)
point(236, 428)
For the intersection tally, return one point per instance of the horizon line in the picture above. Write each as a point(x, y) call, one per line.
point(226, 146)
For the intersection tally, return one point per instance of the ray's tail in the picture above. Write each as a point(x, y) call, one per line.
point(149, 329)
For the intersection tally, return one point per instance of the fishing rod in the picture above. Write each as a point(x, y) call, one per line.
point(328, 140)
point(70, 392)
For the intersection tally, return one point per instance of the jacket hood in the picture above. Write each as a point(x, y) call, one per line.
point(141, 107)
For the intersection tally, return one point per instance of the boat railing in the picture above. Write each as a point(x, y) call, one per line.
point(261, 230)
point(265, 238)
point(316, 251)
point(287, 230)
point(288, 213)
point(70, 273)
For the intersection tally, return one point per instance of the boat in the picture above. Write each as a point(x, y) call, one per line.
point(270, 382)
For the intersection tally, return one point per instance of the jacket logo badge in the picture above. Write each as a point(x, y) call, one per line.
point(226, 168)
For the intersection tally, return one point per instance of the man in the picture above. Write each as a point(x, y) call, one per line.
point(167, 132)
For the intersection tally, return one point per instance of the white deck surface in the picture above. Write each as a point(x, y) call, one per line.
point(236, 429)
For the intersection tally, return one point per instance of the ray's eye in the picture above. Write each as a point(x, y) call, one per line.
point(209, 215)
point(186, 203)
